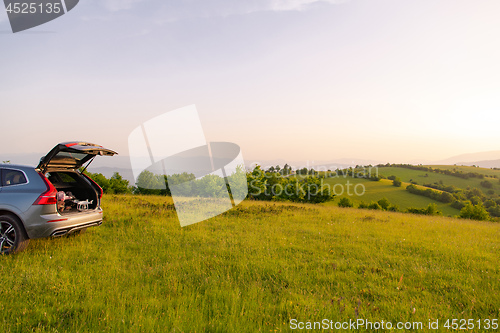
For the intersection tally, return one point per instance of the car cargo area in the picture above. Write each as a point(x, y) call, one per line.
point(74, 193)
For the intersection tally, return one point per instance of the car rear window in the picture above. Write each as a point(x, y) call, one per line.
point(61, 177)
point(63, 155)
point(12, 177)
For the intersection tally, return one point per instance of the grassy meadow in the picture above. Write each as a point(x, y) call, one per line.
point(252, 269)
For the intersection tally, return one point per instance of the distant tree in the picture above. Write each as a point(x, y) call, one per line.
point(374, 205)
point(239, 188)
point(256, 181)
point(384, 203)
point(345, 202)
point(486, 184)
point(494, 211)
point(477, 212)
point(475, 200)
point(458, 204)
point(210, 186)
point(302, 172)
point(489, 203)
point(393, 208)
point(446, 197)
point(362, 205)
point(397, 182)
point(150, 183)
point(431, 210)
point(101, 180)
point(119, 185)
point(472, 192)
point(286, 170)
point(314, 192)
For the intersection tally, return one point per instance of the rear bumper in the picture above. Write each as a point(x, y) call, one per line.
point(68, 230)
point(58, 225)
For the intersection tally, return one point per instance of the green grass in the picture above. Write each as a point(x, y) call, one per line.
point(251, 269)
point(376, 190)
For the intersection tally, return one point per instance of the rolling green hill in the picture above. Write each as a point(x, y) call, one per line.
point(465, 169)
point(376, 190)
point(423, 177)
point(252, 269)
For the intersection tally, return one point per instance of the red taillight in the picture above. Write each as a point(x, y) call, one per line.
point(48, 197)
point(71, 144)
point(59, 220)
point(96, 185)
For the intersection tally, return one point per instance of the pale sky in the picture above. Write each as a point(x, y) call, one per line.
point(390, 80)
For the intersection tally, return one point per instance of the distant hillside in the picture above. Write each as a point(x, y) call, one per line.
point(483, 164)
point(109, 171)
point(472, 159)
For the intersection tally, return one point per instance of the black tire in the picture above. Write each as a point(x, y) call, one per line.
point(12, 236)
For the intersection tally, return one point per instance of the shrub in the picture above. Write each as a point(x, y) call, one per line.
point(458, 204)
point(346, 203)
point(397, 182)
point(494, 211)
point(384, 203)
point(486, 184)
point(489, 203)
point(477, 212)
point(475, 200)
point(118, 184)
point(394, 208)
point(430, 210)
point(374, 205)
point(446, 197)
point(362, 205)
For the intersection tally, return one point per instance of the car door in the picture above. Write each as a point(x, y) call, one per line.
point(16, 190)
point(72, 155)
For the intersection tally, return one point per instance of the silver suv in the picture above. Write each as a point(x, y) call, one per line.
point(53, 199)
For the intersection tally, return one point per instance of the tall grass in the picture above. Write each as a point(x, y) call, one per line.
point(251, 269)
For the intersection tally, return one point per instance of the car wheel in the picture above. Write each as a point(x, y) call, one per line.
point(12, 236)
